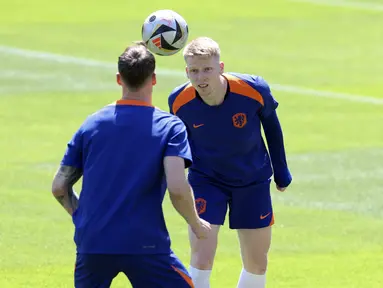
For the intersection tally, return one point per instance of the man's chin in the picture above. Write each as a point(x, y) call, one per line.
point(204, 92)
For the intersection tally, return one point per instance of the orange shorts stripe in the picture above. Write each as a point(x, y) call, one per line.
point(184, 276)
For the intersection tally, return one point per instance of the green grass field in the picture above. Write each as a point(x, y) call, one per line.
point(324, 62)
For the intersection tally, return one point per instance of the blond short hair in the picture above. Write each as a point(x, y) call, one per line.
point(202, 46)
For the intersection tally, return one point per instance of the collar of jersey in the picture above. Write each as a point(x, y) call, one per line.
point(132, 102)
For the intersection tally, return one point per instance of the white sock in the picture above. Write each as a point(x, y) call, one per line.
point(201, 278)
point(249, 280)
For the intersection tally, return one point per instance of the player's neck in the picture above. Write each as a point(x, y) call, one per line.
point(218, 95)
point(144, 95)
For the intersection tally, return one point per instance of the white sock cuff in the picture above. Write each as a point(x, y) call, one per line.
point(199, 271)
point(247, 280)
point(201, 278)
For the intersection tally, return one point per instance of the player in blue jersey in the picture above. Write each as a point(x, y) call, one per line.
point(232, 168)
point(128, 153)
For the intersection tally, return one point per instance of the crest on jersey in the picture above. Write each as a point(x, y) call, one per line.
point(200, 204)
point(239, 120)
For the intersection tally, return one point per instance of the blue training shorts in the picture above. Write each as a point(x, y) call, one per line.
point(143, 271)
point(250, 207)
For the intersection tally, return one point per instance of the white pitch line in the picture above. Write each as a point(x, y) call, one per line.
point(327, 94)
point(52, 57)
point(345, 4)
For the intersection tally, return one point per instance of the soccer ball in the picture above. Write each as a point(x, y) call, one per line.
point(165, 32)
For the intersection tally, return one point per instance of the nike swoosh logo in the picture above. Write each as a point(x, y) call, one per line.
point(264, 216)
point(197, 126)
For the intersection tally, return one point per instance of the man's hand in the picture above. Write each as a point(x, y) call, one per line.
point(281, 189)
point(201, 228)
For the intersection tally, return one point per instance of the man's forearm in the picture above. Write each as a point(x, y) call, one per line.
point(68, 199)
point(185, 206)
point(274, 137)
point(62, 187)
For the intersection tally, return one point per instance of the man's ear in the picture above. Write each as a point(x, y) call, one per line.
point(118, 79)
point(187, 72)
point(154, 79)
point(222, 67)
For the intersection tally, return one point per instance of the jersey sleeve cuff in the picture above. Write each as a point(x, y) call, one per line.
point(283, 180)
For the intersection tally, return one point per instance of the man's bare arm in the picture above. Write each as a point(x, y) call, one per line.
point(182, 196)
point(180, 192)
point(62, 187)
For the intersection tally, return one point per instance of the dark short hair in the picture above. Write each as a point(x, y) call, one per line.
point(135, 65)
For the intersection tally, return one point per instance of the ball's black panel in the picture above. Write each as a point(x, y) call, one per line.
point(166, 45)
point(162, 29)
point(178, 32)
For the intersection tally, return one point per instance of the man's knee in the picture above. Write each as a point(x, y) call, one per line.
point(255, 244)
point(202, 261)
point(203, 250)
point(255, 263)
point(203, 253)
point(255, 267)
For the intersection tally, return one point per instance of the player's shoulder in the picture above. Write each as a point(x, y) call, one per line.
point(252, 86)
point(102, 115)
point(180, 96)
point(162, 114)
point(181, 89)
point(166, 118)
point(255, 81)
